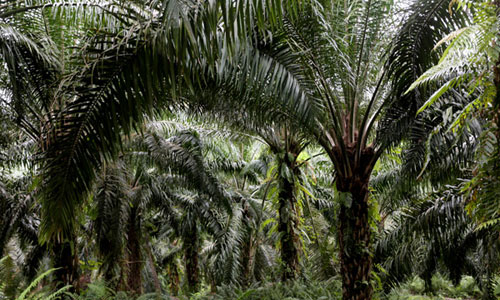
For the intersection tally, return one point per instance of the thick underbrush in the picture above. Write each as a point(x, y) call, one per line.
point(413, 289)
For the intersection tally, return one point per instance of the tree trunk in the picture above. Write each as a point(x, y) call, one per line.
point(66, 260)
point(430, 269)
point(249, 247)
point(156, 280)
point(134, 277)
point(287, 227)
point(496, 82)
point(354, 228)
point(354, 242)
point(173, 277)
point(191, 256)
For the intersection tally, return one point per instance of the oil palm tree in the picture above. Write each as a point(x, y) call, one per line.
point(176, 32)
point(348, 100)
point(244, 253)
point(20, 224)
point(336, 77)
point(30, 78)
point(286, 146)
point(466, 67)
point(120, 201)
point(446, 238)
point(420, 190)
point(20, 219)
point(177, 193)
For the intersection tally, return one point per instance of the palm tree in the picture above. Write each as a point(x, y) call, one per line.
point(420, 190)
point(336, 77)
point(21, 213)
point(134, 35)
point(242, 253)
point(446, 238)
point(286, 145)
point(190, 213)
point(122, 201)
point(331, 81)
point(20, 224)
point(33, 67)
point(465, 66)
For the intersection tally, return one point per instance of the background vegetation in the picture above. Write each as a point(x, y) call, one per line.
point(257, 149)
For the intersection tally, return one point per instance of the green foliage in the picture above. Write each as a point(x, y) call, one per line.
point(100, 290)
point(10, 279)
point(282, 80)
point(465, 67)
point(44, 293)
point(308, 290)
point(414, 289)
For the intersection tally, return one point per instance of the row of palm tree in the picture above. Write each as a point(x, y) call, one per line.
point(294, 73)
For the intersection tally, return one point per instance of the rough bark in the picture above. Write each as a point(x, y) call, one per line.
point(496, 82)
point(354, 228)
point(156, 280)
point(191, 255)
point(173, 278)
point(134, 277)
point(66, 260)
point(287, 227)
point(248, 250)
point(354, 242)
point(248, 254)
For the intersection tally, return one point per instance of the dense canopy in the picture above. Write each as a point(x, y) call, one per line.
point(250, 149)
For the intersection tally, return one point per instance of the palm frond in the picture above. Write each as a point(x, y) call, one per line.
point(411, 55)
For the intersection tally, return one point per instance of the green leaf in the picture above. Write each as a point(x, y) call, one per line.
point(34, 283)
point(435, 96)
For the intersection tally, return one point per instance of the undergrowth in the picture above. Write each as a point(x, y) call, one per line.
point(413, 289)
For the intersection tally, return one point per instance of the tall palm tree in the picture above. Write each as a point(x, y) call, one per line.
point(351, 102)
point(178, 38)
point(320, 58)
point(286, 145)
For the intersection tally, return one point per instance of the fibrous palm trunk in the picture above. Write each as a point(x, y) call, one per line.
point(354, 241)
point(248, 260)
point(191, 256)
point(248, 249)
point(66, 260)
point(134, 278)
point(287, 227)
point(173, 277)
point(154, 273)
point(496, 81)
point(354, 227)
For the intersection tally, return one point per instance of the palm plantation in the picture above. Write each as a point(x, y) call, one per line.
point(249, 149)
